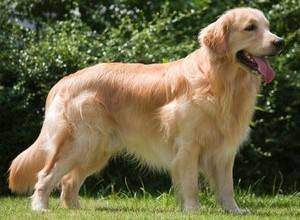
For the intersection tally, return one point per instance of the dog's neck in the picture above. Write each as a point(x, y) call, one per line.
point(220, 73)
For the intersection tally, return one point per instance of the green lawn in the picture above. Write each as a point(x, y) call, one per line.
point(119, 206)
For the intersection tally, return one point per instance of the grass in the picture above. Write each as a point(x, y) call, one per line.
point(120, 206)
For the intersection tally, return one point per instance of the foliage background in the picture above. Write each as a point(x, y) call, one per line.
point(41, 41)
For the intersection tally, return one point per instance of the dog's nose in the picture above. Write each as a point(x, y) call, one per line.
point(278, 43)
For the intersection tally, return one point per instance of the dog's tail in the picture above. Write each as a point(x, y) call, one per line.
point(24, 168)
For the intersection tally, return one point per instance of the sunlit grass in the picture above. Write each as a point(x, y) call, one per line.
point(146, 206)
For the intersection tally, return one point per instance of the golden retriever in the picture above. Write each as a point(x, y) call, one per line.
point(186, 116)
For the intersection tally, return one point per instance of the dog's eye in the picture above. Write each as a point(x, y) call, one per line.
point(250, 27)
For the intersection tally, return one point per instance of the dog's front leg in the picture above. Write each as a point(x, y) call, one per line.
point(184, 172)
point(224, 185)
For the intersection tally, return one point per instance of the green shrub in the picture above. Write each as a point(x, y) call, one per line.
point(31, 61)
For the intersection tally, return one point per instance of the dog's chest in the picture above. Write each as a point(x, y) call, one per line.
point(234, 114)
point(212, 122)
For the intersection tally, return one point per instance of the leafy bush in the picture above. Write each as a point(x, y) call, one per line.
point(65, 37)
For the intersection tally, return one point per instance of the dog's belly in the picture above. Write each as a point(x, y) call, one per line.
point(150, 150)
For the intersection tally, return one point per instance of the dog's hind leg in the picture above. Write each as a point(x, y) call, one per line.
point(71, 183)
point(184, 172)
point(47, 179)
point(60, 160)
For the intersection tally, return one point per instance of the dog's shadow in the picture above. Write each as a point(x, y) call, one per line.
point(131, 209)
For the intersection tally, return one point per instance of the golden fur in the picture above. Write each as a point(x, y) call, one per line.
point(185, 116)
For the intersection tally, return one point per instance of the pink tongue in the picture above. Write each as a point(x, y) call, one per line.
point(265, 69)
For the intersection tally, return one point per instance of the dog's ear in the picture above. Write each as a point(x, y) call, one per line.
point(215, 36)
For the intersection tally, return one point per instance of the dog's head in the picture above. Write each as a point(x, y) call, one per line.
point(244, 35)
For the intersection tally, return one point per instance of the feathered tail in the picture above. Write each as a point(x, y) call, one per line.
point(24, 168)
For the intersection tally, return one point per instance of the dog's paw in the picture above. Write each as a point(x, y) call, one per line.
point(190, 208)
point(39, 206)
point(239, 211)
point(244, 211)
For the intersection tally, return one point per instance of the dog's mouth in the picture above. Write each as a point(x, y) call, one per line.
point(259, 64)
